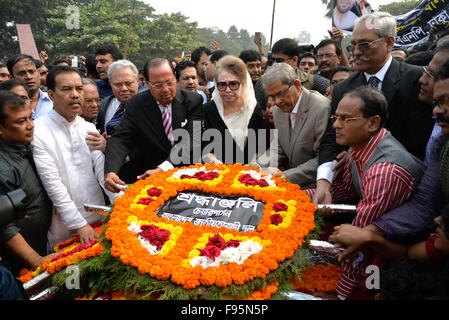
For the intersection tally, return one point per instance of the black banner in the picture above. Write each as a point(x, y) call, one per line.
point(414, 26)
point(237, 213)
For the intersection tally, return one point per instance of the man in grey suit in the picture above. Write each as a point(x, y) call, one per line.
point(300, 117)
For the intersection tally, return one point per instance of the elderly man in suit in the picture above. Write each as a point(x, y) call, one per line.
point(410, 121)
point(149, 125)
point(301, 117)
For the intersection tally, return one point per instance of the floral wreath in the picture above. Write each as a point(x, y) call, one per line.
point(189, 255)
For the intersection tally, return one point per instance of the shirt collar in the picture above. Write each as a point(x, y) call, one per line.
point(295, 110)
point(382, 72)
point(43, 96)
point(58, 118)
point(15, 147)
point(365, 153)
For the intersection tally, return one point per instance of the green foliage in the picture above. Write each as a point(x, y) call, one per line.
point(105, 273)
point(100, 21)
point(234, 41)
point(399, 7)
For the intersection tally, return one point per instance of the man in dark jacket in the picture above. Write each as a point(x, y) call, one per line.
point(150, 122)
point(22, 243)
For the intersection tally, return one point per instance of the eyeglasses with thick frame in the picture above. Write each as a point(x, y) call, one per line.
point(233, 85)
point(363, 46)
point(160, 85)
point(280, 60)
point(327, 56)
point(344, 119)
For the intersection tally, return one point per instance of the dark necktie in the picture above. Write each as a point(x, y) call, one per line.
point(112, 124)
point(373, 82)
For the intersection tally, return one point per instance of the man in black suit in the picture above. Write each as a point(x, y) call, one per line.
point(410, 121)
point(149, 123)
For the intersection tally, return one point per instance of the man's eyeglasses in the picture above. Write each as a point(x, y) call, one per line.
point(281, 94)
point(327, 56)
point(428, 72)
point(363, 46)
point(233, 85)
point(128, 84)
point(444, 102)
point(160, 85)
point(344, 119)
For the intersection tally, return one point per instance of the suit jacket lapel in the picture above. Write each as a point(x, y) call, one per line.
point(155, 120)
point(300, 120)
point(178, 110)
point(392, 76)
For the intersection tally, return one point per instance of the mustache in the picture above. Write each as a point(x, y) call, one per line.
point(75, 102)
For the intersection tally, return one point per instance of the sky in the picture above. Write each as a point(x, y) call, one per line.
point(291, 16)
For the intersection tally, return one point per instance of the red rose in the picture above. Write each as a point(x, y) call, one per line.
point(213, 174)
point(184, 176)
point(262, 183)
point(211, 252)
point(247, 180)
point(145, 201)
point(276, 219)
point(279, 206)
point(157, 237)
point(233, 244)
point(217, 241)
point(154, 192)
point(201, 175)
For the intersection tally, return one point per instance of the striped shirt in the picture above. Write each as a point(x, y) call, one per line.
point(383, 187)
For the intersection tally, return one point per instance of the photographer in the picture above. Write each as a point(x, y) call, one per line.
point(22, 243)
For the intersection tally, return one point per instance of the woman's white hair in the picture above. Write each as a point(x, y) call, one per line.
point(121, 64)
point(383, 23)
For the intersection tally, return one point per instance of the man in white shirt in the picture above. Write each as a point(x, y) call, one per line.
point(70, 172)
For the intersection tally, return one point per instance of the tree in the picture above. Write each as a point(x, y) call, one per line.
point(32, 12)
point(330, 7)
point(400, 7)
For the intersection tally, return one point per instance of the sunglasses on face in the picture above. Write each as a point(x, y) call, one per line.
point(363, 46)
point(279, 60)
point(233, 85)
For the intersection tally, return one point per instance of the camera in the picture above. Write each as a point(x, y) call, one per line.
point(12, 207)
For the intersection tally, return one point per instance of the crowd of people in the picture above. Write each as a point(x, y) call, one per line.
point(367, 126)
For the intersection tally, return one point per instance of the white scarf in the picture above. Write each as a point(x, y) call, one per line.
point(237, 123)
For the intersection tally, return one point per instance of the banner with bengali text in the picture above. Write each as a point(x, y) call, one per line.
point(414, 26)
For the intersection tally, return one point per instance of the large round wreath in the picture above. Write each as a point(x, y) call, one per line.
point(288, 217)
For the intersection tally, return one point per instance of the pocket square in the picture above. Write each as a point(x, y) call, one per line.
point(184, 123)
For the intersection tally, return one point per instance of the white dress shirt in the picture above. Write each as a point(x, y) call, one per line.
point(294, 112)
point(70, 172)
point(381, 73)
point(110, 111)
